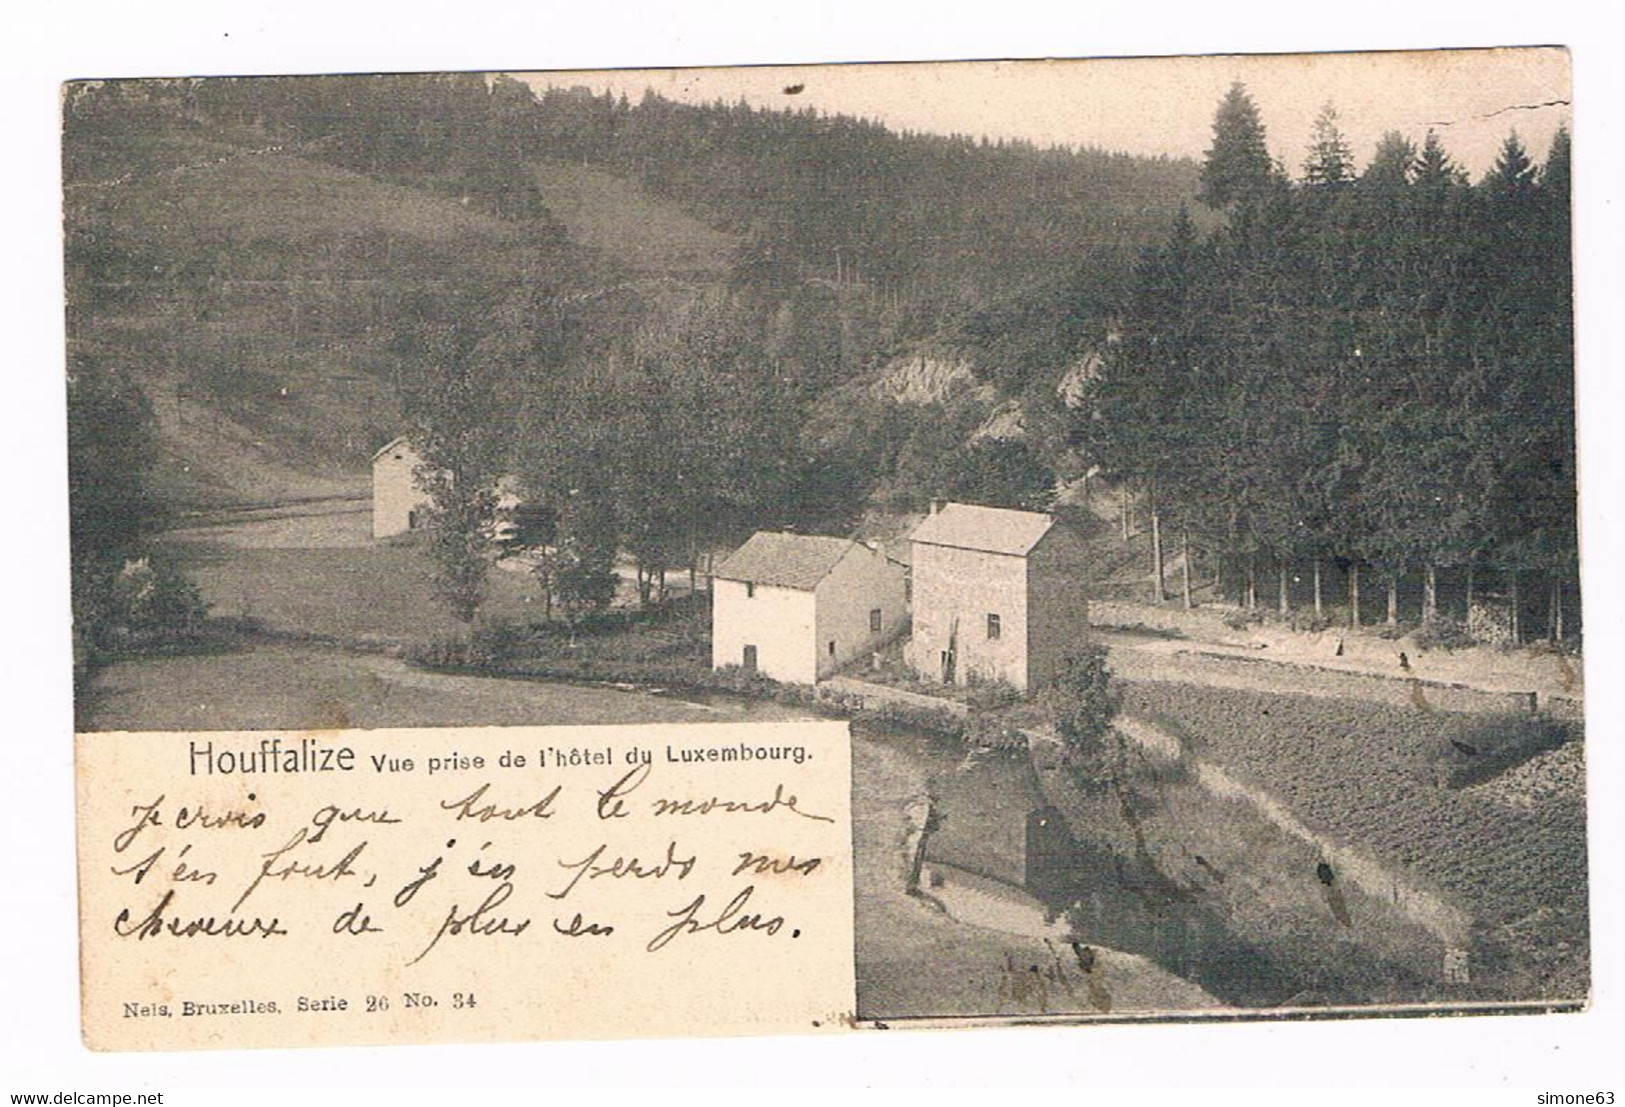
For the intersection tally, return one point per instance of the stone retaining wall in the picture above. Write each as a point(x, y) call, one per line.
point(1230, 670)
point(883, 693)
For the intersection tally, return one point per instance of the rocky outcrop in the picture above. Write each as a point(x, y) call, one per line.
point(930, 379)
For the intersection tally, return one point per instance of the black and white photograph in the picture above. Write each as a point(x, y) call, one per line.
point(1166, 467)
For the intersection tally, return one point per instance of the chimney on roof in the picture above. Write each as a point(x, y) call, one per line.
point(936, 506)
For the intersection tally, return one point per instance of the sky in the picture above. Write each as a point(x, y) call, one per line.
point(1152, 106)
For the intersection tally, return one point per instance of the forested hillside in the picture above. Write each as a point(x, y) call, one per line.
point(264, 256)
point(944, 223)
point(677, 323)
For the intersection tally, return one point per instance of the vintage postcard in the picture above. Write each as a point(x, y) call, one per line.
point(380, 886)
point(774, 550)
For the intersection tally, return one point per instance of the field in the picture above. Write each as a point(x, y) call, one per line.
point(310, 575)
point(314, 569)
point(1361, 774)
point(297, 687)
point(380, 593)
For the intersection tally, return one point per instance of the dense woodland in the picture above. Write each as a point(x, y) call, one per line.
point(1355, 367)
point(1367, 368)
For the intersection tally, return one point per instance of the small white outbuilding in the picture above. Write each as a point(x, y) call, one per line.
point(399, 503)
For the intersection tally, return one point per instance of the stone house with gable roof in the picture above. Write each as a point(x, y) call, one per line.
point(400, 503)
point(997, 594)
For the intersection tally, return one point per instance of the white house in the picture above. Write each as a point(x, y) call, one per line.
point(797, 607)
point(997, 594)
point(398, 503)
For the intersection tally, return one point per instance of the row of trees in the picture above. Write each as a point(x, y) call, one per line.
point(656, 439)
point(1368, 366)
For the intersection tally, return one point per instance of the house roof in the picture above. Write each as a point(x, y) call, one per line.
point(797, 561)
point(398, 440)
point(990, 529)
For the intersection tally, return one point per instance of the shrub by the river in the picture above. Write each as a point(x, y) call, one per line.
point(1083, 704)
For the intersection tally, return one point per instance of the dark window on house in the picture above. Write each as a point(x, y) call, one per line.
point(750, 659)
point(832, 647)
point(411, 520)
point(992, 626)
point(750, 589)
point(874, 621)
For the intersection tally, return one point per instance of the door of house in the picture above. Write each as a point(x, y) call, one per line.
point(947, 666)
point(749, 661)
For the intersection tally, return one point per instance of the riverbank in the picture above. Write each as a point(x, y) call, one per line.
point(917, 960)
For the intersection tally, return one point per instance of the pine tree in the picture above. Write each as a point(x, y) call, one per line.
point(1146, 418)
point(1554, 175)
point(1433, 168)
point(1330, 162)
point(1391, 164)
point(1237, 169)
point(1513, 176)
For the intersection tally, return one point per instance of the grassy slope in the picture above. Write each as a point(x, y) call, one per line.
point(641, 232)
point(303, 687)
point(296, 406)
point(271, 382)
